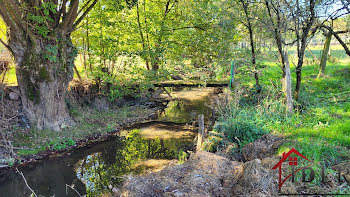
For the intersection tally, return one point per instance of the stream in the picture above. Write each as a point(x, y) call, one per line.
point(94, 170)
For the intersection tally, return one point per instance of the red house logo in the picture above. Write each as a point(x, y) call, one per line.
point(293, 162)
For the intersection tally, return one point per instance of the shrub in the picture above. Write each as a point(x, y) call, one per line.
point(241, 126)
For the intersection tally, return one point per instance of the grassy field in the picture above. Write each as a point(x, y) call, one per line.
point(320, 128)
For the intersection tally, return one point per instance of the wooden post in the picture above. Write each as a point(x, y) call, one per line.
point(200, 132)
point(288, 88)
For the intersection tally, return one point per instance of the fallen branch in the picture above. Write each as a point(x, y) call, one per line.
point(25, 181)
point(72, 187)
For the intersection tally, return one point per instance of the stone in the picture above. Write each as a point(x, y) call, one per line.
point(14, 96)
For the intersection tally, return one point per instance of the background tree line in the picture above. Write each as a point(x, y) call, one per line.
point(138, 41)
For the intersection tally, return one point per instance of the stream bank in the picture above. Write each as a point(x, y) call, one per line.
point(97, 167)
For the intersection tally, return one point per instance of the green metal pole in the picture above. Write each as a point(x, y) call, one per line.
point(232, 74)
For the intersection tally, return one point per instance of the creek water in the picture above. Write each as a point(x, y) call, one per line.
point(94, 170)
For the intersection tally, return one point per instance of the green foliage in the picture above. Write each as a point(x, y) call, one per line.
point(51, 53)
point(201, 33)
point(59, 144)
point(212, 143)
point(241, 126)
point(40, 21)
point(182, 157)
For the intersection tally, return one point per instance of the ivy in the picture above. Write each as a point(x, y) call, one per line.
point(49, 7)
point(51, 53)
point(41, 21)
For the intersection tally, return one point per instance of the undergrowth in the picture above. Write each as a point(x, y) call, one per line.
point(319, 128)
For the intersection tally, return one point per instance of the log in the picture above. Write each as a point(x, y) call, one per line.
point(191, 83)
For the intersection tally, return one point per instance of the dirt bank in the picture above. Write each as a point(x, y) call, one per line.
point(208, 174)
point(204, 174)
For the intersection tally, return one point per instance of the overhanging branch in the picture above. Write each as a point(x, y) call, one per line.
point(335, 34)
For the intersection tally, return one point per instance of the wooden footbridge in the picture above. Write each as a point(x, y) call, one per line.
point(191, 83)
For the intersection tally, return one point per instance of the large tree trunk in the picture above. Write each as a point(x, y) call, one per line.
point(325, 52)
point(44, 55)
point(44, 70)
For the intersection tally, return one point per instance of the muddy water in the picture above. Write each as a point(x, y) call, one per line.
point(94, 170)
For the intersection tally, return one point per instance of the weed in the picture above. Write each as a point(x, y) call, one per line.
point(182, 157)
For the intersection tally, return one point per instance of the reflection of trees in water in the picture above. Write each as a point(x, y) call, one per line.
point(99, 170)
point(185, 111)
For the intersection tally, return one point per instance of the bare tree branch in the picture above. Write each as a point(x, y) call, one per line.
point(84, 14)
point(68, 16)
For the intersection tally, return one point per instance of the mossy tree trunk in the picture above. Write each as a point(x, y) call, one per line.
point(43, 73)
point(39, 40)
point(288, 85)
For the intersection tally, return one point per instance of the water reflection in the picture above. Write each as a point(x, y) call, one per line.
point(187, 105)
point(134, 154)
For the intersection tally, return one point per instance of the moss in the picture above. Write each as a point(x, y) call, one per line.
point(29, 70)
point(44, 75)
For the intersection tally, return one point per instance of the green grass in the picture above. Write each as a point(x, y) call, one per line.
point(321, 131)
point(89, 123)
point(320, 128)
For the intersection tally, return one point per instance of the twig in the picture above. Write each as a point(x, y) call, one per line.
point(24, 178)
point(18, 148)
point(69, 186)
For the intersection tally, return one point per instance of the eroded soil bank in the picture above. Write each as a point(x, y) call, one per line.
point(209, 174)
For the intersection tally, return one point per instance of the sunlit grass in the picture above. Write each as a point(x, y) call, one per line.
point(10, 78)
point(320, 127)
